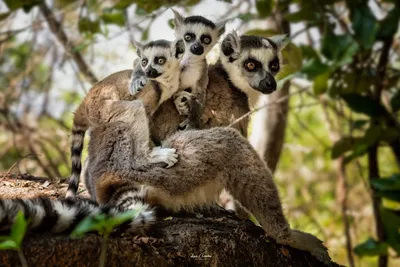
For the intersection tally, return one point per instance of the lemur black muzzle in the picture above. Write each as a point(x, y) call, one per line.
point(267, 85)
point(152, 73)
point(197, 49)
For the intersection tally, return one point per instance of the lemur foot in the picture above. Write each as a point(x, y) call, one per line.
point(182, 102)
point(137, 85)
point(308, 242)
point(164, 155)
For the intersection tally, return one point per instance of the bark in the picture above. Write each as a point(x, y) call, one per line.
point(216, 238)
point(57, 29)
point(269, 125)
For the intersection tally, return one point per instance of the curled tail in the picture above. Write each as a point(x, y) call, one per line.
point(60, 216)
point(78, 136)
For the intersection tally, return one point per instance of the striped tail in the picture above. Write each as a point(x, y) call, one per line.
point(60, 216)
point(78, 137)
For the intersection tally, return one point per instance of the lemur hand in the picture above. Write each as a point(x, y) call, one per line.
point(137, 85)
point(182, 102)
point(164, 155)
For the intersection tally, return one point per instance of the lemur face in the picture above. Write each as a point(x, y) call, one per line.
point(198, 33)
point(252, 61)
point(160, 58)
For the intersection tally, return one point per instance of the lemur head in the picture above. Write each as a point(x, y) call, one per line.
point(160, 58)
point(198, 33)
point(251, 61)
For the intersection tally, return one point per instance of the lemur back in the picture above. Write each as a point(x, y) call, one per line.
point(110, 99)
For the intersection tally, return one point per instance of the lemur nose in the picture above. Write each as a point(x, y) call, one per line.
point(152, 73)
point(268, 85)
point(197, 49)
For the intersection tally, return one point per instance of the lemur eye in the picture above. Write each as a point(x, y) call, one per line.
point(161, 61)
point(144, 62)
point(274, 66)
point(252, 65)
point(206, 39)
point(188, 37)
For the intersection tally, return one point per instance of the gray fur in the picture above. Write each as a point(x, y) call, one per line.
point(209, 160)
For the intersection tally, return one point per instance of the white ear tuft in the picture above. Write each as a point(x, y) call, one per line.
point(280, 40)
point(138, 46)
point(178, 19)
point(230, 46)
point(220, 25)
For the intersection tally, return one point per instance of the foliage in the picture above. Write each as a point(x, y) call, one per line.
point(14, 240)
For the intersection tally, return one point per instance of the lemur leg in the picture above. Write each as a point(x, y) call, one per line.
point(134, 113)
point(258, 193)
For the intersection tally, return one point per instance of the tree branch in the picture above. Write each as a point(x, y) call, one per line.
point(59, 32)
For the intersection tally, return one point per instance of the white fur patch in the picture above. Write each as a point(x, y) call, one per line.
point(38, 215)
point(66, 216)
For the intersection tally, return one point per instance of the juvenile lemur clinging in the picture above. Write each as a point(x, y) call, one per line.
point(109, 100)
point(165, 76)
point(199, 35)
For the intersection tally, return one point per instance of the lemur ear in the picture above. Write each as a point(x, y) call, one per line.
point(178, 19)
point(280, 40)
point(136, 63)
point(231, 46)
point(220, 25)
point(139, 47)
point(178, 48)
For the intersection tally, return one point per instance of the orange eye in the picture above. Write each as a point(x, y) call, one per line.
point(274, 66)
point(250, 65)
point(144, 62)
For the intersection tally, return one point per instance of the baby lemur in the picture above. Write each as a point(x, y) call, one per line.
point(200, 35)
point(209, 160)
point(109, 100)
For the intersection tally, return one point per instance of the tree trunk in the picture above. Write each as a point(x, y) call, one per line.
point(269, 124)
point(215, 238)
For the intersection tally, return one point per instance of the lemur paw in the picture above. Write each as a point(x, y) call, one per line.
point(182, 102)
point(308, 242)
point(164, 155)
point(184, 125)
point(137, 85)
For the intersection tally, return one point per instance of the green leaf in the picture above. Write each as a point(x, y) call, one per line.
point(140, 11)
point(389, 194)
point(391, 222)
point(338, 47)
point(264, 7)
point(395, 101)
point(321, 83)
point(358, 124)
point(363, 104)
point(343, 145)
point(87, 25)
point(122, 217)
point(89, 224)
point(309, 52)
point(364, 25)
point(262, 33)
point(389, 25)
point(113, 18)
point(25, 4)
point(9, 244)
point(123, 4)
point(371, 248)
point(18, 229)
point(292, 58)
point(314, 67)
point(145, 34)
point(304, 14)
point(387, 183)
point(171, 23)
point(4, 15)
point(246, 17)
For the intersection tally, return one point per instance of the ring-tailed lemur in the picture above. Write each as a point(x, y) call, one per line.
point(199, 35)
point(246, 68)
point(209, 160)
point(110, 100)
